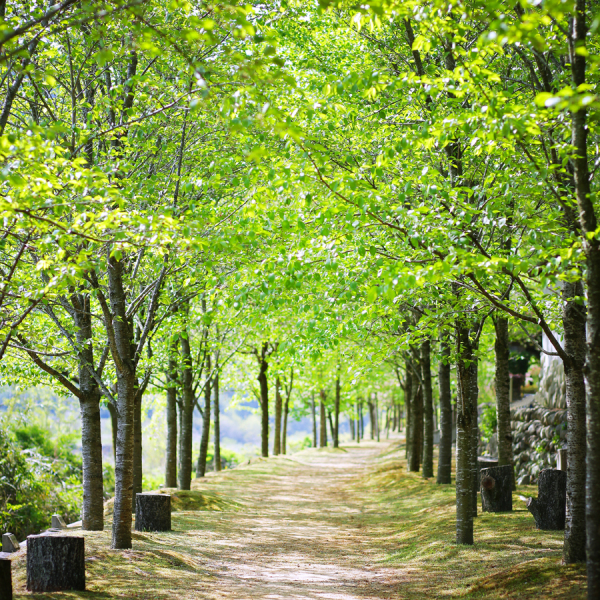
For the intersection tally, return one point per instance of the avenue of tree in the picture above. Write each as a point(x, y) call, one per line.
point(326, 207)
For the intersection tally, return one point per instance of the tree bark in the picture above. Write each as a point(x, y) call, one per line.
point(474, 391)
point(444, 474)
point(187, 414)
point(264, 402)
point(336, 426)
point(114, 426)
point(502, 384)
point(322, 421)
point(278, 414)
point(314, 419)
point(171, 449)
point(591, 247)
point(286, 410)
point(137, 447)
point(574, 317)
point(361, 423)
point(416, 421)
point(91, 451)
point(427, 409)
point(408, 391)
point(464, 424)
point(203, 451)
point(217, 423)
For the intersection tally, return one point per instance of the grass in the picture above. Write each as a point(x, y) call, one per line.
point(510, 557)
point(319, 526)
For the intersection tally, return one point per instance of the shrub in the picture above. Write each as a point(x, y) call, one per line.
point(33, 486)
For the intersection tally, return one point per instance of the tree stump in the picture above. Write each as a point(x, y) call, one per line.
point(9, 543)
point(152, 512)
point(496, 489)
point(549, 508)
point(5, 579)
point(483, 462)
point(55, 563)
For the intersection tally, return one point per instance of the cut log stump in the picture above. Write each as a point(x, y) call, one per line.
point(55, 563)
point(548, 509)
point(496, 489)
point(5, 579)
point(483, 462)
point(152, 512)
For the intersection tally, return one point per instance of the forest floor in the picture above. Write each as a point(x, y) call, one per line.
point(348, 524)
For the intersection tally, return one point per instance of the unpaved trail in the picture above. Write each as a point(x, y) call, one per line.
point(290, 528)
point(300, 534)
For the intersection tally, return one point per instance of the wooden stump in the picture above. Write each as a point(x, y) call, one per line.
point(5, 579)
point(549, 508)
point(496, 489)
point(55, 563)
point(483, 462)
point(152, 512)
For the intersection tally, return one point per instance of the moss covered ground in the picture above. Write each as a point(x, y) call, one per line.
point(342, 525)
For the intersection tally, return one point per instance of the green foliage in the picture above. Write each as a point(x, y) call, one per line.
point(488, 423)
point(302, 444)
point(33, 486)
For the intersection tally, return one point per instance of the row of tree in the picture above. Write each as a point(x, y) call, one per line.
point(347, 188)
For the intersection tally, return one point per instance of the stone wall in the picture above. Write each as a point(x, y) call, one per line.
point(537, 435)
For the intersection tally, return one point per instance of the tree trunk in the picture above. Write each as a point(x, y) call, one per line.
point(123, 506)
point(114, 426)
point(359, 423)
point(427, 409)
point(171, 449)
point(574, 317)
point(203, 451)
point(91, 451)
point(464, 424)
point(91, 433)
point(331, 429)
point(314, 419)
point(502, 384)
point(416, 422)
point(444, 474)
point(352, 426)
point(591, 247)
point(187, 414)
point(278, 411)
point(286, 410)
point(336, 426)
point(474, 391)
point(322, 421)
point(408, 392)
point(137, 446)
point(376, 410)
point(217, 423)
point(264, 406)
point(371, 419)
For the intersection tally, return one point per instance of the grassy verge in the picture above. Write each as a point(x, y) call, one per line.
point(510, 557)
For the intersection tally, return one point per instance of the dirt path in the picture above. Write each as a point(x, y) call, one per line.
point(300, 534)
point(288, 528)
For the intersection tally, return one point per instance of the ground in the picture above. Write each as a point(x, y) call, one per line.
point(348, 524)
